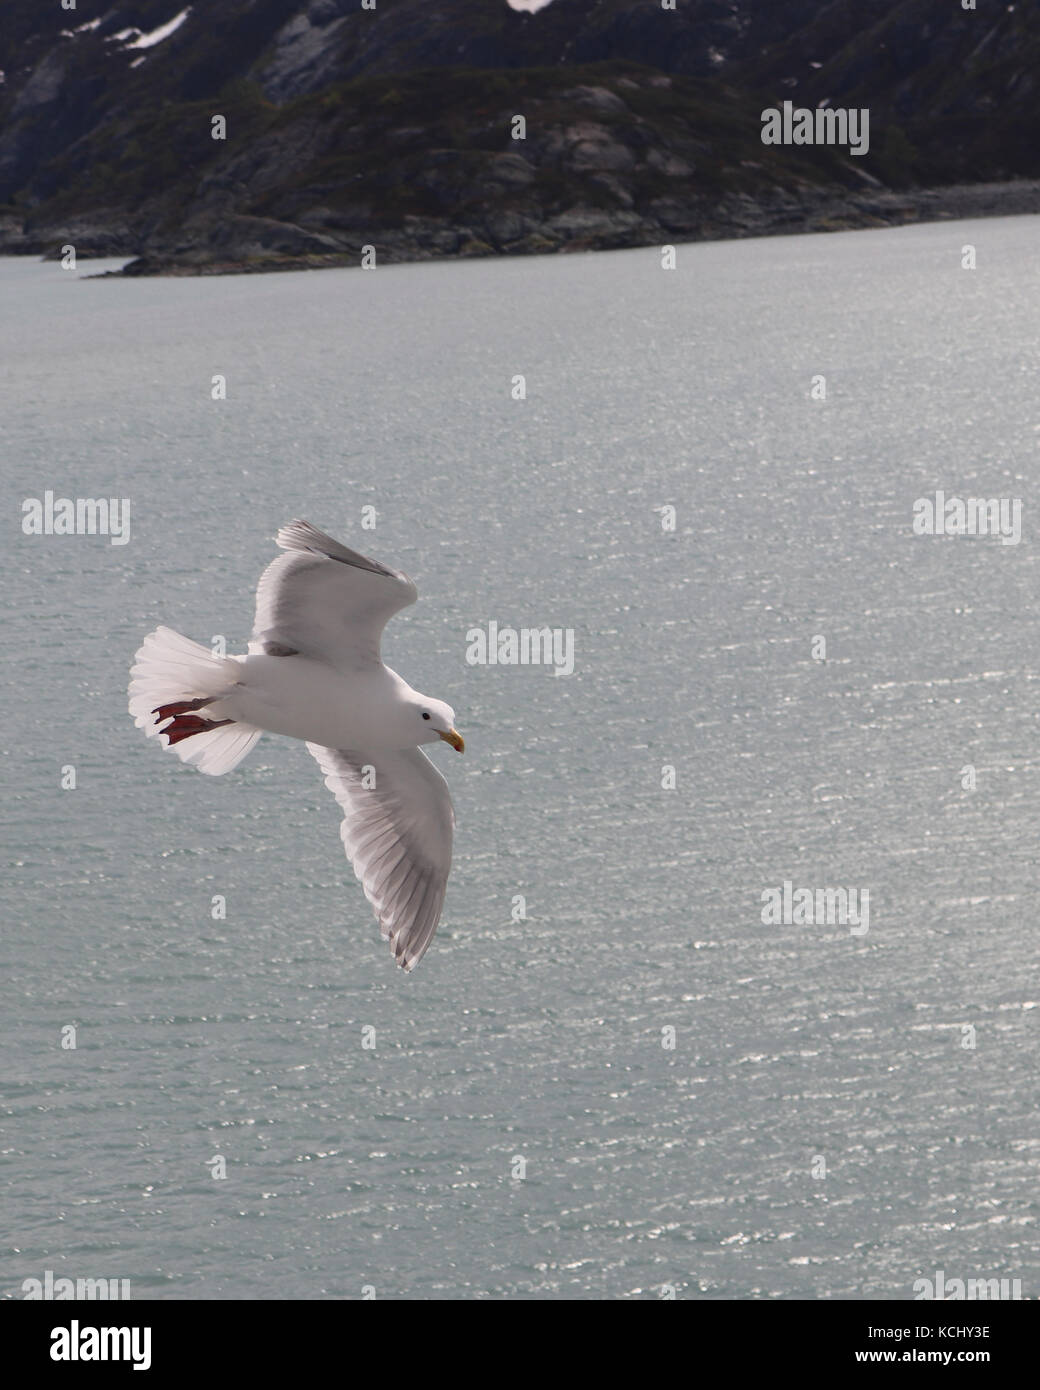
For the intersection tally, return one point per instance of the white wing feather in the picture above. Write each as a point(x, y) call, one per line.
point(326, 601)
point(398, 836)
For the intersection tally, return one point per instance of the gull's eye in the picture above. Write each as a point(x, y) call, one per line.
point(425, 715)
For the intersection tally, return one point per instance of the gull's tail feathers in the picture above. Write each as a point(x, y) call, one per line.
point(172, 678)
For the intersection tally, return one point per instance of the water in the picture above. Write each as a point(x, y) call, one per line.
point(539, 1039)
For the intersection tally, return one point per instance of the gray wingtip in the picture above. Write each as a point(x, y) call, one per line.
point(301, 535)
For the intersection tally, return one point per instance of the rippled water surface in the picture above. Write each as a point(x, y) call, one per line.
point(796, 1047)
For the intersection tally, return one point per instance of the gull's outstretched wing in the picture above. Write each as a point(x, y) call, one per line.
point(324, 601)
point(397, 830)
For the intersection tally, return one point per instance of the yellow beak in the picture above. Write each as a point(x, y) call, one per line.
point(455, 739)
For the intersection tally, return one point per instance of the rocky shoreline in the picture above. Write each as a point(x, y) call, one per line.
point(259, 245)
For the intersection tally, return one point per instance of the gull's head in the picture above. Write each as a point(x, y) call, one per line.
point(436, 720)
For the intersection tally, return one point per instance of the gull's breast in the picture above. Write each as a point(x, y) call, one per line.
point(305, 699)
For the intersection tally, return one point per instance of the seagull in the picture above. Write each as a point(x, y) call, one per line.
point(313, 671)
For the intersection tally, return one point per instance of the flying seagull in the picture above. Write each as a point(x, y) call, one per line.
point(313, 671)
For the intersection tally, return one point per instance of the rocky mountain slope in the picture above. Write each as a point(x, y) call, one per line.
point(393, 127)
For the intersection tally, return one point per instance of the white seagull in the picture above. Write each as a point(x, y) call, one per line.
point(313, 671)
